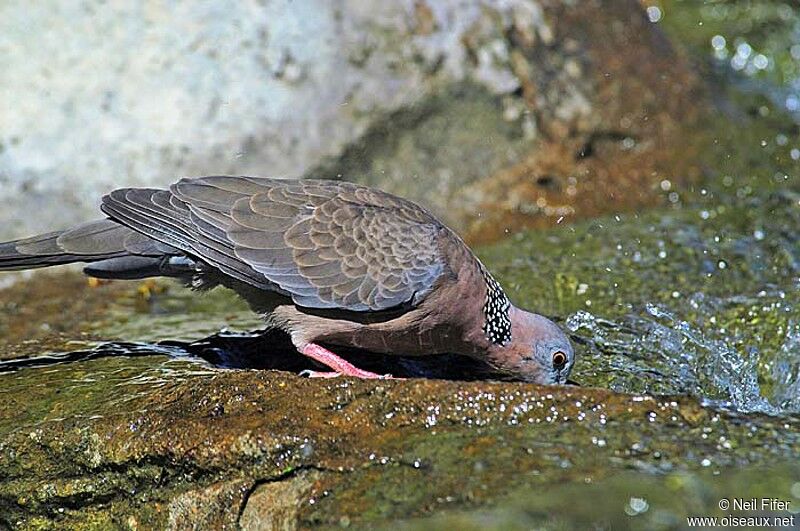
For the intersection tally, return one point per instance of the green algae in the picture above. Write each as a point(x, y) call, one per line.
point(510, 454)
point(767, 28)
point(36, 396)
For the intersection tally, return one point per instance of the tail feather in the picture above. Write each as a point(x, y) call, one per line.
point(83, 243)
point(42, 245)
point(116, 251)
point(39, 251)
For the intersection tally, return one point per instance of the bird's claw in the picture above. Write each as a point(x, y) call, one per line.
point(308, 373)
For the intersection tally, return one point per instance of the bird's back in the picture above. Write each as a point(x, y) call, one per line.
point(325, 244)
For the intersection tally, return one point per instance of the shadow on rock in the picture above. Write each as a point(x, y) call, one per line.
point(268, 350)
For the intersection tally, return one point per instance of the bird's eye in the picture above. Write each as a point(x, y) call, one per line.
point(559, 360)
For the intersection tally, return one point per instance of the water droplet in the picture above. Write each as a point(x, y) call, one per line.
point(654, 14)
point(636, 506)
point(744, 50)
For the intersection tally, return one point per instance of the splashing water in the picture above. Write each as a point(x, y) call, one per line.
point(786, 373)
point(656, 351)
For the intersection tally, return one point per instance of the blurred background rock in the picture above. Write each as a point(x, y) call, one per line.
point(497, 115)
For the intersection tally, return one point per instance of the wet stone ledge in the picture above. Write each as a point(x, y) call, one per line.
point(215, 447)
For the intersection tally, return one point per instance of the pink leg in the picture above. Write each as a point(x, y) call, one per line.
point(340, 366)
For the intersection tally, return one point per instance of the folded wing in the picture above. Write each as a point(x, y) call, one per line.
point(327, 244)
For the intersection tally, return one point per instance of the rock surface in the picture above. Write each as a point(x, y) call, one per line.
point(523, 111)
point(155, 442)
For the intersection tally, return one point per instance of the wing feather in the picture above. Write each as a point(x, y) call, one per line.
point(327, 244)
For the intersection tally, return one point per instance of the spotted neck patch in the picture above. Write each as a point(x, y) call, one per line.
point(497, 323)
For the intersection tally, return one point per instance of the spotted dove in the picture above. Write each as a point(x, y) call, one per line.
point(332, 263)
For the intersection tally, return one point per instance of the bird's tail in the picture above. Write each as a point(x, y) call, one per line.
point(84, 243)
point(113, 251)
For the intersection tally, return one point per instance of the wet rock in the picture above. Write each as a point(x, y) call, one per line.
point(200, 448)
point(525, 111)
point(213, 507)
point(57, 311)
point(275, 505)
point(56, 308)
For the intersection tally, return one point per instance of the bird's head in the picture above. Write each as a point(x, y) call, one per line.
point(539, 351)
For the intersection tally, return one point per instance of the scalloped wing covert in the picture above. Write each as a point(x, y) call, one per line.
point(327, 244)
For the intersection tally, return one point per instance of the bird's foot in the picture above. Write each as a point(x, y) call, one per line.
point(333, 374)
point(340, 366)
